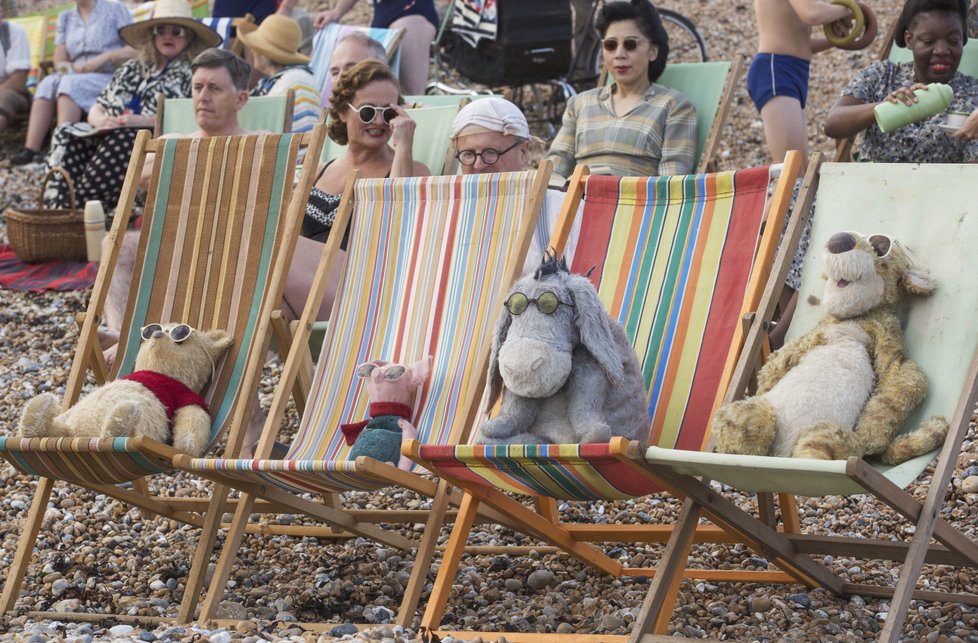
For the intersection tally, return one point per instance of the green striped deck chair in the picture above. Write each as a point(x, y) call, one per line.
point(429, 260)
point(328, 37)
point(673, 259)
point(218, 232)
point(940, 334)
point(259, 114)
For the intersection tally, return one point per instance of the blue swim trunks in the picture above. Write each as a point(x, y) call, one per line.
point(773, 75)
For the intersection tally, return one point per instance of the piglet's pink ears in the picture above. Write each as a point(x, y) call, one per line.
point(419, 371)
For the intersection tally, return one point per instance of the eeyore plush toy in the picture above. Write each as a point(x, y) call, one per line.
point(565, 368)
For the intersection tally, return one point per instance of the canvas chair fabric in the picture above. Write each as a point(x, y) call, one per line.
point(328, 37)
point(939, 334)
point(206, 257)
point(259, 114)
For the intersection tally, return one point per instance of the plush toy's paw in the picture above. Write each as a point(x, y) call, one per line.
point(38, 415)
point(597, 432)
point(120, 422)
point(494, 431)
point(828, 441)
point(929, 436)
point(191, 430)
point(745, 427)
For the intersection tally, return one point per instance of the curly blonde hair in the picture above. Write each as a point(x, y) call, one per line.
point(352, 80)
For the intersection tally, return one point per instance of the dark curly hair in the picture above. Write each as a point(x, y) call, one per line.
point(649, 23)
point(352, 80)
point(914, 7)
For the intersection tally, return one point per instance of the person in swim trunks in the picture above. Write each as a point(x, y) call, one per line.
point(778, 77)
point(418, 18)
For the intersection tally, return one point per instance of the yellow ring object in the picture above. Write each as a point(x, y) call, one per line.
point(857, 28)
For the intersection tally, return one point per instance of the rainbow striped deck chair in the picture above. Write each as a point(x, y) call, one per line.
point(428, 262)
point(218, 232)
point(329, 36)
point(40, 34)
point(678, 261)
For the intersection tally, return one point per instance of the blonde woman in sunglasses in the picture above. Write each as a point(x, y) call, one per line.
point(632, 127)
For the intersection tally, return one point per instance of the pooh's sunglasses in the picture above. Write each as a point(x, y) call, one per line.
point(178, 333)
point(547, 303)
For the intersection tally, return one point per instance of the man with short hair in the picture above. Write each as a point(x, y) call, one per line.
point(15, 61)
point(491, 135)
point(353, 48)
point(219, 88)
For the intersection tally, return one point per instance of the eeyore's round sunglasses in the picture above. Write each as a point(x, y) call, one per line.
point(178, 333)
point(882, 243)
point(547, 303)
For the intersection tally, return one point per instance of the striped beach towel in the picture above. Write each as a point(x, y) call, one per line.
point(206, 255)
point(671, 258)
point(428, 257)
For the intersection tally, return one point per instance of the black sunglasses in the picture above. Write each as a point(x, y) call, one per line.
point(489, 156)
point(368, 113)
point(178, 333)
point(547, 303)
point(630, 43)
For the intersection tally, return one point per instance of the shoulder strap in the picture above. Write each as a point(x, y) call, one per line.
point(5, 37)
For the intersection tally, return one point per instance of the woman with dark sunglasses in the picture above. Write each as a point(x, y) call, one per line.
point(366, 115)
point(164, 47)
point(633, 126)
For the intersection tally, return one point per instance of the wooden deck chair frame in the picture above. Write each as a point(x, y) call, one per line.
point(708, 141)
point(792, 550)
point(243, 115)
point(345, 521)
point(576, 539)
point(275, 221)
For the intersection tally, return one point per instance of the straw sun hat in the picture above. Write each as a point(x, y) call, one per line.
point(277, 37)
point(169, 12)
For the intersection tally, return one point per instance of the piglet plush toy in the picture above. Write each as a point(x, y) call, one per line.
point(391, 389)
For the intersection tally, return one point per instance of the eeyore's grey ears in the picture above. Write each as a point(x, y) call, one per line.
point(498, 338)
point(594, 327)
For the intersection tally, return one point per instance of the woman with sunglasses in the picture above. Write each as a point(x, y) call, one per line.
point(632, 127)
point(367, 116)
point(87, 49)
point(97, 163)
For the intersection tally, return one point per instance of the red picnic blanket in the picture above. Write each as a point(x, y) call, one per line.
point(50, 275)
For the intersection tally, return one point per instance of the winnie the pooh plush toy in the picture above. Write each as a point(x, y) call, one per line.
point(845, 388)
point(160, 399)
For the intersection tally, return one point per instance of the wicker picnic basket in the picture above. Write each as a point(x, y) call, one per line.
point(44, 234)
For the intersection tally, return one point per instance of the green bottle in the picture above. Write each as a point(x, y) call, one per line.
point(932, 100)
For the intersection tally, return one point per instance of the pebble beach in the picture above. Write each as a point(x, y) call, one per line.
point(96, 555)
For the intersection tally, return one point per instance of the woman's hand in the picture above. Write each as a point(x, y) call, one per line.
point(90, 66)
point(403, 128)
point(968, 131)
point(323, 18)
point(905, 95)
point(127, 119)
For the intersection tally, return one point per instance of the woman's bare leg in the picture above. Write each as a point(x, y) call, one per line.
point(68, 110)
point(415, 53)
point(42, 112)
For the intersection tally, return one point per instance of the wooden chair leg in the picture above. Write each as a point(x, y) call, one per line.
point(789, 513)
point(659, 602)
point(424, 556)
point(202, 557)
point(28, 538)
point(450, 562)
point(229, 553)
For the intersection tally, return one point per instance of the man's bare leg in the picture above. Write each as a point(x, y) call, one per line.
point(415, 53)
point(785, 128)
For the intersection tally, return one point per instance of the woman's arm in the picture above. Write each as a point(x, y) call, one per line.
point(849, 115)
point(563, 150)
point(403, 141)
point(335, 14)
point(679, 138)
point(113, 56)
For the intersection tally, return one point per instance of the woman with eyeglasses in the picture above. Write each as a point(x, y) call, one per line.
point(632, 127)
point(366, 115)
point(87, 49)
point(97, 161)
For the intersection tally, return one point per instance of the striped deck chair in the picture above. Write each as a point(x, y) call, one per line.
point(678, 261)
point(940, 334)
point(39, 30)
point(428, 262)
point(218, 232)
point(329, 36)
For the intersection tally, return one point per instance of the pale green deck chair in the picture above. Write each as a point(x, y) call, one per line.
point(940, 334)
point(431, 138)
point(709, 87)
point(260, 114)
